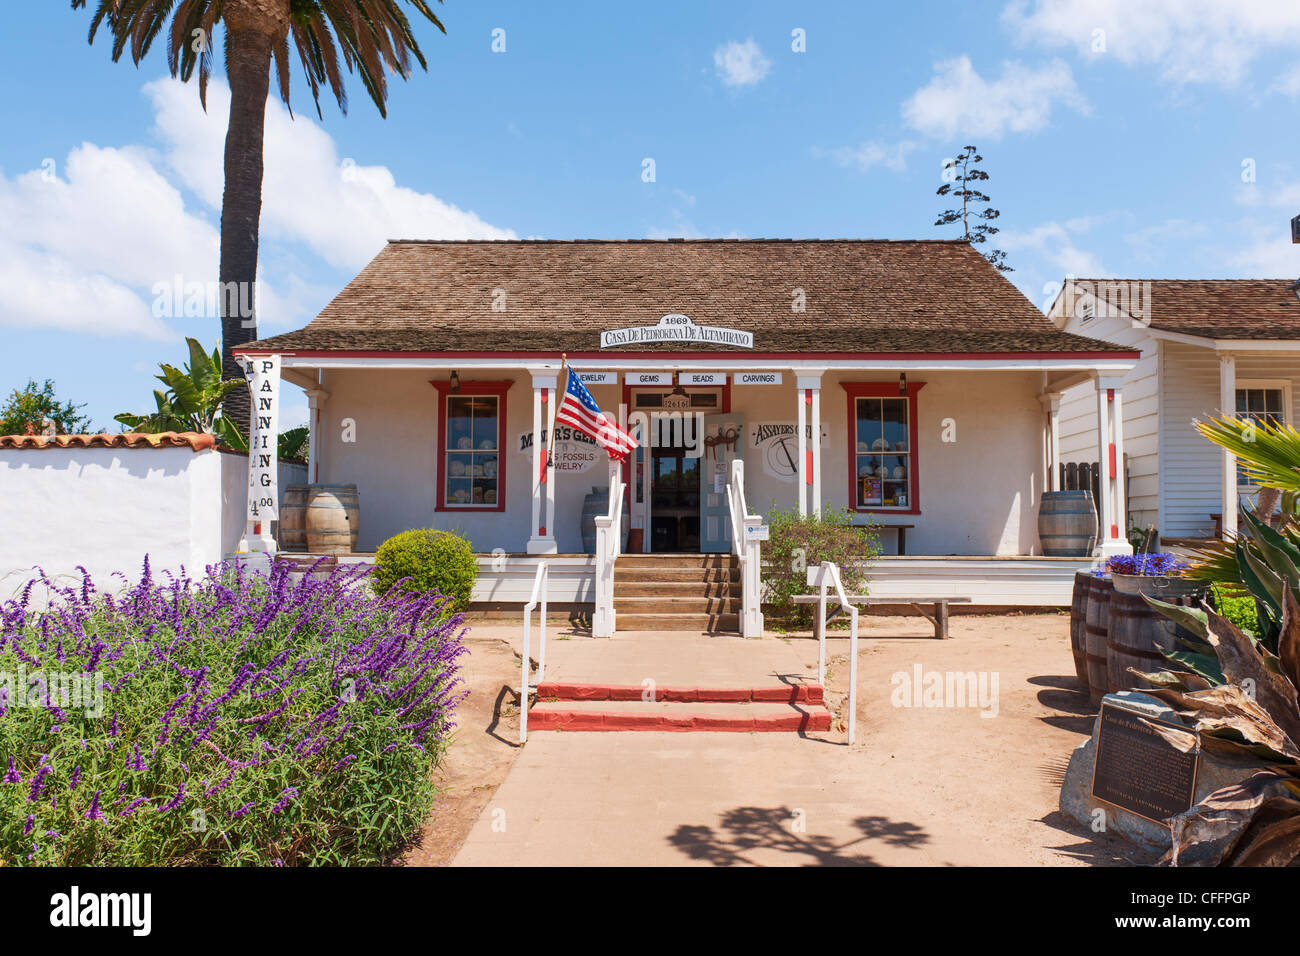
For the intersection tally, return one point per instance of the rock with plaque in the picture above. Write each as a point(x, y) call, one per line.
point(1140, 766)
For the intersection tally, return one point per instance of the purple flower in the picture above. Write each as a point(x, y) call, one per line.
point(38, 783)
point(241, 811)
point(286, 797)
point(175, 801)
point(30, 824)
point(12, 776)
point(134, 805)
point(76, 777)
point(94, 813)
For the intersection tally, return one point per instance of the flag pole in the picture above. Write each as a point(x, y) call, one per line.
point(560, 386)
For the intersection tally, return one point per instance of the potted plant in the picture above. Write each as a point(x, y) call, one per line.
point(1157, 573)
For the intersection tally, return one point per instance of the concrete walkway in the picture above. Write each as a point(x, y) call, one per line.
point(922, 787)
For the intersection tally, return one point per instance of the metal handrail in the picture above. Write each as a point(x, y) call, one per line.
point(541, 585)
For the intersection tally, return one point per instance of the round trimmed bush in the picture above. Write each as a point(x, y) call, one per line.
point(425, 559)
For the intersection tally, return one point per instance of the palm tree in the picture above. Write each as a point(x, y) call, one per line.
point(372, 36)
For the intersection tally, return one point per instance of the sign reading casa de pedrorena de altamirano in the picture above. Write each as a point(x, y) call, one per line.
point(676, 328)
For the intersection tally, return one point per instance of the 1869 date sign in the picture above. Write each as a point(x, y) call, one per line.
point(1144, 765)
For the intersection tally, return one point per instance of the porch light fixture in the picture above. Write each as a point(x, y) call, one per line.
point(902, 383)
point(454, 381)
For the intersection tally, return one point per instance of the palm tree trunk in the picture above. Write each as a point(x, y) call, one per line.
point(249, 67)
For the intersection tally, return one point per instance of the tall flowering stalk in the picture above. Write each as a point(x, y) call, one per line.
point(257, 719)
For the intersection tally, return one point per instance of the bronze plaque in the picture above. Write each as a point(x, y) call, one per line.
point(1144, 765)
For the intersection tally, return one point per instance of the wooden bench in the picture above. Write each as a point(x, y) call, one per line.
point(939, 620)
point(900, 528)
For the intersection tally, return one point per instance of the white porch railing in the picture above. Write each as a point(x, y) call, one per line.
point(541, 584)
point(825, 576)
point(747, 548)
point(608, 531)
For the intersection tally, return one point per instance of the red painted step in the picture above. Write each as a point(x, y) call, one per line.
point(770, 694)
point(727, 717)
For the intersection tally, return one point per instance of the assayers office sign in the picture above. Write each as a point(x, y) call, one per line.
point(676, 327)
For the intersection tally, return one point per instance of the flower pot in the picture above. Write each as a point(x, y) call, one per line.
point(1159, 587)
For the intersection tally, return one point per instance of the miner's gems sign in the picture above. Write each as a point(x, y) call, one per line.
point(574, 451)
point(676, 328)
point(264, 385)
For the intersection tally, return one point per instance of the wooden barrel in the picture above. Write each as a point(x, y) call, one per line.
point(1078, 623)
point(1096, 633)
point(293, 518)
point(1138, 631)
point(333, 519)
point(1067, 524)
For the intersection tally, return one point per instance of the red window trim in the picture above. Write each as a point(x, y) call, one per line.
point(498, 389)
point(858, 390)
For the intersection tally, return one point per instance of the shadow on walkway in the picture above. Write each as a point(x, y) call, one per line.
point(744, 830)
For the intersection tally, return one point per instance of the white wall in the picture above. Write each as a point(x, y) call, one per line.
point(1191, 471)
point(979, 495)
point(1141, 402)
point(105, 509)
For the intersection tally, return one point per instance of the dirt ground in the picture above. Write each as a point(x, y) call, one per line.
point(970, 789)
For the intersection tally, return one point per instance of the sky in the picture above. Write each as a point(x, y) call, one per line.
point(1131, 138)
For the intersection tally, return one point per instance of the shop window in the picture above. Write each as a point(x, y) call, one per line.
point(471, 441)
point(883, 465)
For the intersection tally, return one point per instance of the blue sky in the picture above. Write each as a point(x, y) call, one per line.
point(1144, 138)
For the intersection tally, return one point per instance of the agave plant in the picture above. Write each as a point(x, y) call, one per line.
point(1238, 688)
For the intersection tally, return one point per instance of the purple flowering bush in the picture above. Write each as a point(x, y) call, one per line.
point(240, 719)
point(1160, 564)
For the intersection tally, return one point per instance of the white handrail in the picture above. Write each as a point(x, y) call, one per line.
point(747, 549)
point(827, 575)
point(608, 547)
point(541, 585)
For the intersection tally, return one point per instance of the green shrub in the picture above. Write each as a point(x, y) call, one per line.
point(428, 560)
point(796, 543)
point(1241, 611)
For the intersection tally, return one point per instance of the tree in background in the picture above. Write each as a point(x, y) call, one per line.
point(961, 174)
point(193, 402)
point(26, 410)
point(369, 37)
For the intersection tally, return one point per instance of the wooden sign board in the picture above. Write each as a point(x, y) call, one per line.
point(1144, 765)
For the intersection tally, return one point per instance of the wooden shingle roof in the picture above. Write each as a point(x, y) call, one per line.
point(869, 296)
point(1255, 309)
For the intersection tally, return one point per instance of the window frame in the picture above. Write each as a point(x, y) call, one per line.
point(857, 390)
point(445, 394)
point(1262, 384)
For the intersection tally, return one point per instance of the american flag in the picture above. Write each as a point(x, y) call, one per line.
point(580, 410)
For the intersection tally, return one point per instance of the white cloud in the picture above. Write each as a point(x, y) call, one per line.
point(1267, 252)
point(741, 64)
point(1053, 243)
point(1287, 83)
point(83, 246)
point(1189, 41)
point(341, 210)
point(890, 155)
point(959, 103)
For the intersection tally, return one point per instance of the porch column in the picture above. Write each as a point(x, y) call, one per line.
point(1228, 406)
point(541, 534)
point(1051, 402)
point(803, 477)
point(1113, 533)
point(316, 398)
point(810, 392)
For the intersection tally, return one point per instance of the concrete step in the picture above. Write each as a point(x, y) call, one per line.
point(724, 622)
point(766, 694)
point(670, 589)
point(678, 717)
point(675, 560)
point(706, 575)
point(676, 605)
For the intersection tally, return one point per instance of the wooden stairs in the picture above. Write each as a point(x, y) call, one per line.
point(677, 592)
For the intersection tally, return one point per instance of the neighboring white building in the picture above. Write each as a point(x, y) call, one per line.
point(1206, 346)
